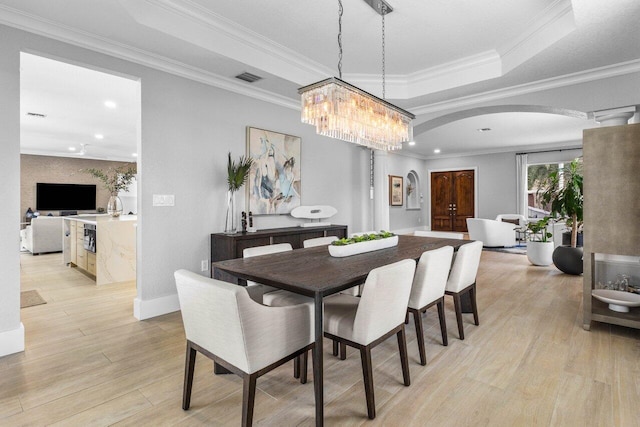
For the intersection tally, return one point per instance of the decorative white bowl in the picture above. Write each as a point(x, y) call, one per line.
point(362, 247)
point(619, 301)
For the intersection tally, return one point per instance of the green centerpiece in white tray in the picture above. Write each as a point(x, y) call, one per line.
point(361, 243)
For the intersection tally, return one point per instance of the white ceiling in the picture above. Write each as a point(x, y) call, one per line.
point(436, 51)
point(72, 99)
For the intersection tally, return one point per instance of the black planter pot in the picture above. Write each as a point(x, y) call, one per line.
point(568, 259)
point(566, 239)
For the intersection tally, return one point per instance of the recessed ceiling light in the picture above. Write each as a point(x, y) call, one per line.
point(134, 154)
point(437, 151)
point(110, 104)
point(484, 129)
point(412, 143)
point(72, 148)
point(99, 136)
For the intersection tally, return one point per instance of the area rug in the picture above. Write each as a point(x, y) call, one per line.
point(30, 298)
point(520, 250)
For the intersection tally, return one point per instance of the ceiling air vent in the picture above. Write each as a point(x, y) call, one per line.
point(248, 77)
point(41, 116)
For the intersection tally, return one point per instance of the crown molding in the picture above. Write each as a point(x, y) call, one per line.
point(566, 145)
point(471, 69)
point(43, 27)
point(201, 27)
point(554, 23)
point(396, 83)
point(600, 73)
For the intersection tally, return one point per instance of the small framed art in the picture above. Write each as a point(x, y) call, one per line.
point(396, 190)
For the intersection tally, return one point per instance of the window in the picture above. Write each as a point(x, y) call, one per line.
point(537, 175)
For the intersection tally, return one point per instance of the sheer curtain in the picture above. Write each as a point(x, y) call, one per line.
point(521, 185)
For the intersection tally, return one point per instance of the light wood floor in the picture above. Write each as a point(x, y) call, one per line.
point(89, 362)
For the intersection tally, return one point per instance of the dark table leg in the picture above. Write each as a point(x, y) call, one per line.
point(318, 362)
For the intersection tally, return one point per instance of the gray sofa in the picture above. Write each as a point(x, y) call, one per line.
point(43, 235)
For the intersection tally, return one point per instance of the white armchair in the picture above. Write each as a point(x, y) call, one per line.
point(522, 221)
point(222, 322)
point(43, 235)
point(492, 233)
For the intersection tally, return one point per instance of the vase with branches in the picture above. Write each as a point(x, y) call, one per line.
point(237, 174)
point(115, 180)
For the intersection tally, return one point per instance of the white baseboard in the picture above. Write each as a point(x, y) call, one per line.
point(12, 341)
point(156, 307)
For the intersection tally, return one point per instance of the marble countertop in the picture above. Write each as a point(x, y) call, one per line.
point(95, 219)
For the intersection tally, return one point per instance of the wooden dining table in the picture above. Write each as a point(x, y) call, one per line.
point(313, 272)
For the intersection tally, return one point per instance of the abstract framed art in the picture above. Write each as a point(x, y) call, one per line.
point(396, 190)
point(275, 178)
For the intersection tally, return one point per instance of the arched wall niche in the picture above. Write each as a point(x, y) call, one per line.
point(413, 191)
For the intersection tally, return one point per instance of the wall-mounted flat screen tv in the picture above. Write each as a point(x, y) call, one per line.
point(62, 197)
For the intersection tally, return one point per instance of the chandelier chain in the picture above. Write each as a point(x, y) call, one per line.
point(340, 10)
point(384, 12)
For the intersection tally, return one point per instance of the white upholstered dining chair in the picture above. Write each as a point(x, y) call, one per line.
point(278, 298)
point(462, 280)
point(318, 241)
point(325, 241)
point(441, 234)
point(224, 323)
point(267, 294)
point(428, 290)
point(367, 321)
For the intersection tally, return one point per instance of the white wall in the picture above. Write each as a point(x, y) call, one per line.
point(187, 128)
point(401, 218)
point(495, 180)
point(11, 331)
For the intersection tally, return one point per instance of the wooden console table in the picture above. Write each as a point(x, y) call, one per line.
point(230, 246)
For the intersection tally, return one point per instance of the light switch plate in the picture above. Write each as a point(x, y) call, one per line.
point(164, 200)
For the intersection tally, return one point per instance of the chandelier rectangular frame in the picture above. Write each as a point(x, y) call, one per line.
point(340, 110)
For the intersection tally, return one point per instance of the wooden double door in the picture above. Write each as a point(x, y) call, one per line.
point(452, 200)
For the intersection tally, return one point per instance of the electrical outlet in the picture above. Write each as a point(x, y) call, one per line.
point(204, 265)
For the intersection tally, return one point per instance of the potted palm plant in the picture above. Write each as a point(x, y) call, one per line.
point(237, 174)
point(564, 196)
point(539, 247)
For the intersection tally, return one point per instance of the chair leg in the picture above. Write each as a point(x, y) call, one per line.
point(296, 367)
point(248, 398)
point(443, 322)
point(367, 374)
point(404, 359)
point(335, 348)
point(420, 335)
point(474, 304)
point(457, 304)
point(406, 318)
point(304, 362)
point(343, 351)
point(189, 366)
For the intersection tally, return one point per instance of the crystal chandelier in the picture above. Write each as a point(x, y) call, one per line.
point(342, 111)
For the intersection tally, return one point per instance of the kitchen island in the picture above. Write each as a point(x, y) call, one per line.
point(101, 246)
